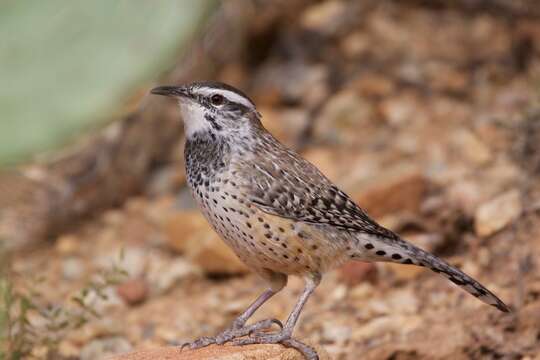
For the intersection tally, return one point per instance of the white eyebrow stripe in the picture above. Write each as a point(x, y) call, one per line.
point(229, 95)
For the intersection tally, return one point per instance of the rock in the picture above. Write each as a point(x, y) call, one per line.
point(497, 213)
point(190, 233)
point(326, 17)
point(373, 85)
point(336, 334)
point(325, 159)
point(102, 348)
point(399, 110)
point(401, 188)
point(67, 244)
point(355, 44)
point(471, 147)
point(465, 195)
point(286, 125)
point(403, 301)
point(131, 259)
point(72, 268)
point(133, 291)
point(163, 276)
point(224, 352)
point(356, 272)
point(342, 116)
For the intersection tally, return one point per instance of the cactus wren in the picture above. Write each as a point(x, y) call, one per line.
point(277, 211)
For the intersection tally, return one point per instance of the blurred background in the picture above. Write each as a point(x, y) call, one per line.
point(425, 112)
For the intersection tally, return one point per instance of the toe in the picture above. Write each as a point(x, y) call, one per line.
point(199, 343)
point(264, 324)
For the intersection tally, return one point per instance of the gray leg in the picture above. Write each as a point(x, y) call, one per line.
point(285, 335)
point(240, 321)
point(238, 329)
point(295, 314)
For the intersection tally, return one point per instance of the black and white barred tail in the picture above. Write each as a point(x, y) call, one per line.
point(400, 251)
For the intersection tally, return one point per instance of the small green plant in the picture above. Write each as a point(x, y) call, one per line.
point(28, 323)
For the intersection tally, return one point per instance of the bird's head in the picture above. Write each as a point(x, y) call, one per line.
point(213, 107)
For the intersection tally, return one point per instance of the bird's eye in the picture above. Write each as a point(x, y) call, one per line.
point(217, 99)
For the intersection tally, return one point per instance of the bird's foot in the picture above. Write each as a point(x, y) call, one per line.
point(236, 331)
point(283, 337)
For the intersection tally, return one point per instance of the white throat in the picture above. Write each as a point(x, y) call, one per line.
point(193, 116)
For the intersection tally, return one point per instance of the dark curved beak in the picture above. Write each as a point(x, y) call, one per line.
point(171, 91)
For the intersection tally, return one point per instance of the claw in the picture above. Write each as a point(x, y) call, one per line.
point(231, 334)
point(199, 343)
point(283, 338)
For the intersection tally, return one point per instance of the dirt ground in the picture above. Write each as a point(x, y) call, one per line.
point(427, 114)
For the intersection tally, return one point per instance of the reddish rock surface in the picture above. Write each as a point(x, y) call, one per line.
point(249, 352)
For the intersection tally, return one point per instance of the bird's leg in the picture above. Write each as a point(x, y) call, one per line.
point(285, 335)
point(239, 328)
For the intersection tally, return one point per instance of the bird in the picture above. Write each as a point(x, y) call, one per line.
point(279, 214)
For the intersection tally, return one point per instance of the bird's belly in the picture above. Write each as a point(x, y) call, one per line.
point(265, 241)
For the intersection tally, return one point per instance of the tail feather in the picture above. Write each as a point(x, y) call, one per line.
point(400, 251)
point(459, 278)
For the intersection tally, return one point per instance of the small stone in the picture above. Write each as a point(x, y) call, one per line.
point(167, 275)
point(133, 291)
point(373, 85)
point(471, 147)
point(133, 260)
point(355, 44)
point(465, 195)
point(336, 334)
point(401, 188)
point(190, 233)
point(497, 213)
point(403, 301)
point(72, 268)
point(342, 116)
point(103, 348)
point(325, 17)
point(339, 293)
point(399, 110)
point(67, 245)
point(324, 158)
point(362, 292)
point(286, 125)
point(113, 217)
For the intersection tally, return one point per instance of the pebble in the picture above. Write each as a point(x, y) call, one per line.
point(166, 275)
point(72, 268)
point(471, 147)
point(342, 116)
point(67, 245)
point(102, 348)
point(497, 213)
point(397, 189)
point(336, 334)
point(325, 17)
point(133, 291)
point(189, 233)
